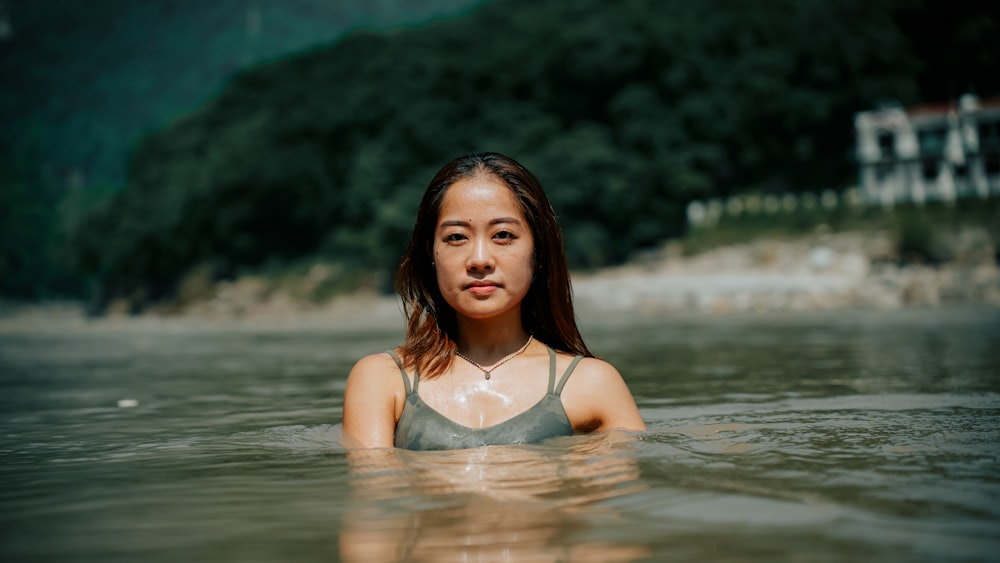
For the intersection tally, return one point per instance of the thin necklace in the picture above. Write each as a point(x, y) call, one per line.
point(489, 370)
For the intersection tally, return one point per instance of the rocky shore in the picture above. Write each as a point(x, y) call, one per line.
point(818, 272)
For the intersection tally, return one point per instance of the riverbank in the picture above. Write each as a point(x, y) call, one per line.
point(821, 271)
point(817, 272)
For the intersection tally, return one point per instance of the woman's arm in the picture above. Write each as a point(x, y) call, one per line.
point(373, 388)
point(597, 399)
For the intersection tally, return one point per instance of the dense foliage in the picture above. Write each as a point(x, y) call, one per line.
point(82, 82)
point(625, 110)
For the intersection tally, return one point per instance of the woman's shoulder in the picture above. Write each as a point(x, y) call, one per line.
point(380, 360)
point(596, 397)
point(374, 376)
point(586, 364)
point(589, 377)
point(380, 367)
point(373, 399)
point(596, 370)
point(589, 372)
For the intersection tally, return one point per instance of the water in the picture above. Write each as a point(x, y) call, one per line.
point(832, 437)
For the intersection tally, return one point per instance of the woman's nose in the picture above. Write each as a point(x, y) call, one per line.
point(481, 257)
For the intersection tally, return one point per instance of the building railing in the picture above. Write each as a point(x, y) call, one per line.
point(707, 213)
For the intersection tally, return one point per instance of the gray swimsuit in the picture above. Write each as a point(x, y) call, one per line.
point(420, 427)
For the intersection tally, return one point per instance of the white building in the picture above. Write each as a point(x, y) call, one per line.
point(931, 152)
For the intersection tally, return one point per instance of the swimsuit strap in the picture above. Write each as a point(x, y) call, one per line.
point(569, 370)
point(552, 370)
point(406, 380)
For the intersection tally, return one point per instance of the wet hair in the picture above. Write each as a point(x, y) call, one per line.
point(547, 313)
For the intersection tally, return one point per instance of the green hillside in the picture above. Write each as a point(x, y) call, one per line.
point(82, 82)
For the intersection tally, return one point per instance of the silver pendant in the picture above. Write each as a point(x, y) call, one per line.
point(486, 375)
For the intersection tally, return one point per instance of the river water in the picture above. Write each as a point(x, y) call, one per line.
point(820, 437)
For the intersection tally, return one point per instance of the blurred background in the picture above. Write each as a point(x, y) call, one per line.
point(179, 155)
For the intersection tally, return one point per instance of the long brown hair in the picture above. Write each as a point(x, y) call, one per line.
point(547, 309)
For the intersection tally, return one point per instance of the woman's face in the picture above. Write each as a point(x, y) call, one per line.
point(482, 249)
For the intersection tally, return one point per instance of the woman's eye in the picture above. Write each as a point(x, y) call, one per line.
point(454, 237)
point(505, 236)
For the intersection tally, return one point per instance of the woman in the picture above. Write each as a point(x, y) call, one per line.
point(490, 326)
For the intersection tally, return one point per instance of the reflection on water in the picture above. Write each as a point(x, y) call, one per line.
point(822, 438)
point(506, 503)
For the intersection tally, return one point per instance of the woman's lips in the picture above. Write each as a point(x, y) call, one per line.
point(482, 288)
